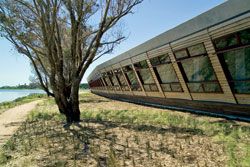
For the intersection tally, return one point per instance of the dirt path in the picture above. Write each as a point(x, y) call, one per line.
point(11, 119)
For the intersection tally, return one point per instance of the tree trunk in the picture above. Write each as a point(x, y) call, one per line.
point(68, 104)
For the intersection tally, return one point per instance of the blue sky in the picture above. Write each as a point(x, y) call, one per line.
point(151, 18)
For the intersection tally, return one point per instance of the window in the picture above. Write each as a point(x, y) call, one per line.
point(108, 81)
point(237, 67)
point(234, 40)
point(121, 80)
point(181, 54)
point(165, 74)
point(198, 71)
point(130, 75)
point(145, 76)
point(235, 60)
point(197, 50)
point(160, 60)
point(245, 36)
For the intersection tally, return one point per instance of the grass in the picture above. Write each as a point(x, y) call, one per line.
point(121, 134)
point(7, 105)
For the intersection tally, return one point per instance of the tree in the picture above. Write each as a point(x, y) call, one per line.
point(62, 38)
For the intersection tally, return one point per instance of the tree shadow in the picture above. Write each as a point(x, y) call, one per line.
point(149, 128)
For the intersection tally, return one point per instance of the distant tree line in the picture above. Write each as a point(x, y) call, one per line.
point(23, 86)
point(84, 86)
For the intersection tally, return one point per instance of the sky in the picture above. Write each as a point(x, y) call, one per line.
point(150, 19)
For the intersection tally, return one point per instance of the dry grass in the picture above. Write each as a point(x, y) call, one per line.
point(115, 133)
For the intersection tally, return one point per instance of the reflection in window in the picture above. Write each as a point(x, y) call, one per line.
point(130, 74)
point(237, 67)
point(234, 40)
point(165, 73)
point(145, 76)
point(198, 71)
point(197, 50)
point(121, 80)
point(234, 55)
point(181, 54)
point(245, 36)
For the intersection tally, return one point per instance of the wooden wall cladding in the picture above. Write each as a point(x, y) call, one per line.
point(227, 92)
point(217, 97)
point(139, 58)
point(155, 94)
point(126, 62)
point(115, 66)
point(139, 93)
point(177, 95)
point(229, 27)
point(243, 99)
point(159, 51)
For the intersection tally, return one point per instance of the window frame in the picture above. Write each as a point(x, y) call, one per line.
point(129, 68)
point(158, 75)
point(148, 85)
point(179, 63)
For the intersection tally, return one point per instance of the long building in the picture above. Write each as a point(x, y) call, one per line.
point(202, 65)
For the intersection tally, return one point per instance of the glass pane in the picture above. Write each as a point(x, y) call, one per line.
point(114, 80)
point(211, 87)
point(164, 58)
point(226, 42)
point(176, 87)
point(238, 63)
point(198, 69)
point(195, 87)
point(147, 88)
point(127, 68)
point(122, 79)
point(132, 78)
point(107, 81)
point(242, 87)
point(181, 54)
point(136, 87)
point(154, 61)
point(167, 73)
point(146, 76)
point(245, 36)
point(166, 87)
point(144, 64)
point(197, 50)
point(153, 88)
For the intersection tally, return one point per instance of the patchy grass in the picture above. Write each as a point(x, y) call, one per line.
point(7, 105)
point(115, 133)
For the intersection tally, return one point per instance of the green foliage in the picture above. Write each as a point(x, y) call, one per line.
point(24, 86)
point(84, 86)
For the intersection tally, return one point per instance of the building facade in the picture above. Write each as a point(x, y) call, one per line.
point(202, 64)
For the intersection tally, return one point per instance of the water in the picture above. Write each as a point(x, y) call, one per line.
point(10, 94)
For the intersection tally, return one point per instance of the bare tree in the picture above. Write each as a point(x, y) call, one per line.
point(62, 38)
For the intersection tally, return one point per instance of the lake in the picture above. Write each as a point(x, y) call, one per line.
point(12, 94)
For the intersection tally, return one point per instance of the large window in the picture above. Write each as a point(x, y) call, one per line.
point(96, 84)
point(145, 76)
point(114, 80)
point(108, 81)
point(197, 69)
point(234, 54)
point(121, 79)
point(131, 77)
point(165, 73)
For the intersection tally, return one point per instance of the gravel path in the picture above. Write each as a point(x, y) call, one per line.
point(11, 119)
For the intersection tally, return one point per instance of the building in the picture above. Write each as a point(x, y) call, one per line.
point(202, 65)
